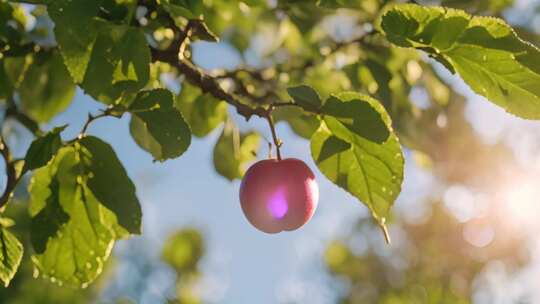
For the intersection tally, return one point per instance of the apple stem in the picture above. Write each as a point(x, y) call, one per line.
point(269, 150)
point(277, 142)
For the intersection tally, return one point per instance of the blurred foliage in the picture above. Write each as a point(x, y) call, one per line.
point(430, 263)
point(183, 251)
point(234, 150)
point(178, 261)
point(431, 260)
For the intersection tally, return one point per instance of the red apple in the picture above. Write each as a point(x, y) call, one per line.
point(279, 195)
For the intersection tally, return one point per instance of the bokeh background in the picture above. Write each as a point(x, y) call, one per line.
point(465, 228)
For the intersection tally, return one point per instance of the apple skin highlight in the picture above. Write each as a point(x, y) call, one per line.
point(279, 195)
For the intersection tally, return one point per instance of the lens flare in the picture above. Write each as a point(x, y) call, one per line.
point(520, 199)
point(278, 206)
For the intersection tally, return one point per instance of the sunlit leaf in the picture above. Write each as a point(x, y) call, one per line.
point(11, 253)
point(80, 203)
point(492, 6)
point(110, 184)
point(367, 162)
point(75, 32)
point(119, 65)
point(107, 59)
point(484, 51)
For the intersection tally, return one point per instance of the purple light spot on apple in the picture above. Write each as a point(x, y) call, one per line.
point(278, 205)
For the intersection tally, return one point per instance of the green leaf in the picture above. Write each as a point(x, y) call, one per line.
point(69, 232)
point(108, 60)
point(15, 69)
point(6, 222)
point(233, 151)
point(336, 4)
point(306, 97)
point(190, 9)
point(491, 6)
point(110, 184)
point(43, 149)
point(484, 51)
point(47, 88)
point(119, 65)
point(80, 203)
point(357, 116)
point(157, 126)
point(368, 163)
point(11, 252)
point(75, 32)
point(202, 112)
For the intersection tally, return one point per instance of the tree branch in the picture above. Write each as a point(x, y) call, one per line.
point(89, 120)
point(206, 83)
point(111, 111)
point(23, 119)
point(258, 74)
point(174, 56)
point(11, 173)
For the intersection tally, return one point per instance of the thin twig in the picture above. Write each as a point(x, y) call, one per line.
point(11, 173)
point(91, 118)
point(181, 43)
point(257, 74)
point(285, 104)
point(254, 73)
point(23, 119)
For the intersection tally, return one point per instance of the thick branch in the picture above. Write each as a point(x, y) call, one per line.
point(174, 56)
point(206, 83)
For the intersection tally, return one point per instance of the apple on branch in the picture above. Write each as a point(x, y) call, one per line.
point(279, 195)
